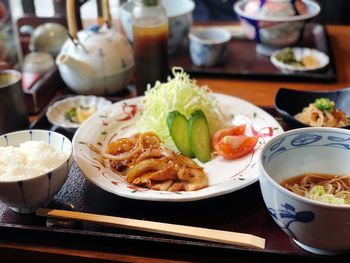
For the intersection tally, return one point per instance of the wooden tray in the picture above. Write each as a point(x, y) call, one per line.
point(242, 211)
point(244, 62)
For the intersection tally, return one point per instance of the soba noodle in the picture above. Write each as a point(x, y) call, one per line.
point(332, 189)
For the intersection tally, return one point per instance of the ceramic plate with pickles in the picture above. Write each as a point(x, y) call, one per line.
point(299, 59)
point(69, 113)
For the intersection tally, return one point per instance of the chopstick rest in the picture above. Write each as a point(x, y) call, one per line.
point(226, 237)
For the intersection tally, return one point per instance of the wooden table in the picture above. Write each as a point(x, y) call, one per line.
point(21, 247)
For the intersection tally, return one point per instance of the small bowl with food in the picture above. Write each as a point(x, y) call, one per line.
point(34, 165)
point(314, 108)
point(305, 183)
point(297, 59)
point(274, 23)
point(70, 112)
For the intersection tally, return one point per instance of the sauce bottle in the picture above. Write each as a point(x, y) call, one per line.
point(150, 34)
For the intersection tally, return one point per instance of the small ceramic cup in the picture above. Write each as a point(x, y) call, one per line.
point(38, 62)
point(13, 112)
point(208, 46)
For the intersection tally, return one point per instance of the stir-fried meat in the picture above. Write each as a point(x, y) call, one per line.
point(143, 161)
point(197, 180)
point(119, 167)
point(145, 166)
point(155, 153)
point(163, 186)
point(123, 149)
point(187, 162)
point(176, 187)
point(149, 139)
point(148, 179)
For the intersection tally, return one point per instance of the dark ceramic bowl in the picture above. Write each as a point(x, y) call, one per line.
point(289, 102)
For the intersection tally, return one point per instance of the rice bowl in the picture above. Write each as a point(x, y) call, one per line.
point(30, 159)
point(25, 194)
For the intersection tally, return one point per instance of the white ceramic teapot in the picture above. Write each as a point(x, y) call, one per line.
point(97, 61)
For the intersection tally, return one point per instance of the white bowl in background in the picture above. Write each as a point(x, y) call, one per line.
point(56, 112)
point(180, 20)
point(26, 195)
point(317, 227)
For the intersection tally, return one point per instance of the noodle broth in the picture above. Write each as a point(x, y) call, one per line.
point(326, 188)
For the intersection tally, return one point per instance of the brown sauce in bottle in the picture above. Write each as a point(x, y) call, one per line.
point(151, 57)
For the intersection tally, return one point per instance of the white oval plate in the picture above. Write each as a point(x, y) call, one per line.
point(119, 121)
point(299, 53)
point(56, 112)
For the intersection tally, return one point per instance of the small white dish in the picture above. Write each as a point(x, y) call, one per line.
point(299, 53)
point(56, 112)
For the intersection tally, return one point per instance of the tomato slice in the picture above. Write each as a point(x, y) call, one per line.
point(231, 143)
point(234, 130)
point(233, 147)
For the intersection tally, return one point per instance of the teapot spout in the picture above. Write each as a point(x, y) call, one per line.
point(63, 59)
point(77, 74)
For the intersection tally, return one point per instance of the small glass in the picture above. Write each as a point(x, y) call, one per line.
point(13, 112)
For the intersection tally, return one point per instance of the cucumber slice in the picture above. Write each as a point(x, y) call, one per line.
point(178, 129)
point(199, 135)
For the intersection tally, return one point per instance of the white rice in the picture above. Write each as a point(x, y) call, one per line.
point(30, 159)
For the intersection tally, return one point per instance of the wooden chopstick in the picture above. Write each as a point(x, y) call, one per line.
point(226, 237)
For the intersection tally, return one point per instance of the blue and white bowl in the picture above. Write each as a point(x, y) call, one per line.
point(26, 195)
point(315, 226)
point(275, 31)
point(180, 20)
point(209, 46)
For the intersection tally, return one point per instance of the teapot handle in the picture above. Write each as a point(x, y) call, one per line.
point(106, 13)
point(72, 17)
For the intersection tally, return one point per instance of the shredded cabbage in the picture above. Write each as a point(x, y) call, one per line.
point(318, 193)
point(182, 94)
